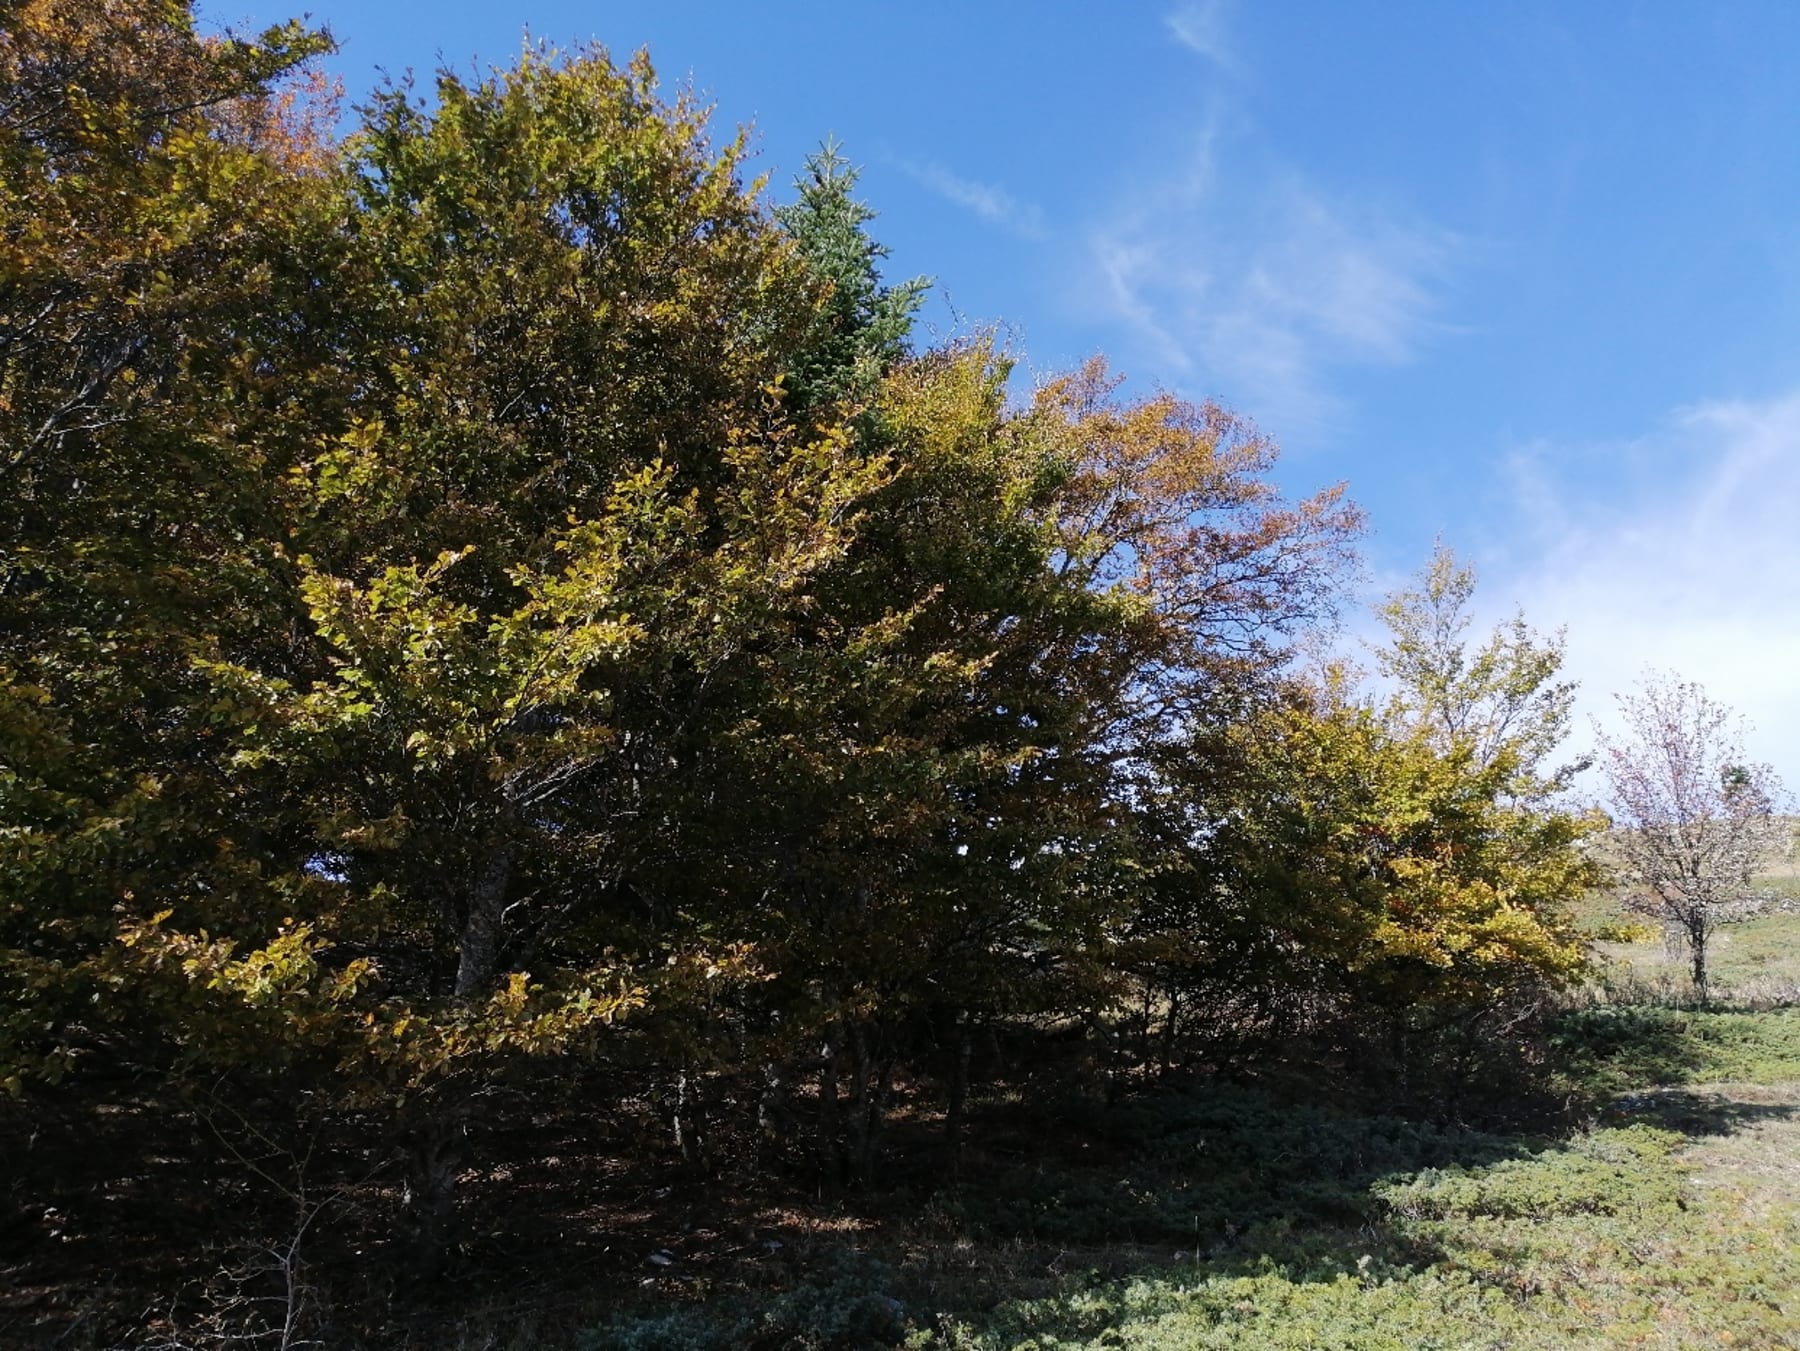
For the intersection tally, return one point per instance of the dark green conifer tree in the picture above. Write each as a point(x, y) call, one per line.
point(864, 327)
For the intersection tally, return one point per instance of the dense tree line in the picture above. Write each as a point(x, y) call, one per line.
point(488, 593)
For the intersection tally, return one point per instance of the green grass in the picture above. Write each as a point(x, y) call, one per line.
point(1665, 1215)
point(1628, 1234)
point(1606, 1241)
point(1218, 1217)
point(1222, 1217)
point(1758, 960)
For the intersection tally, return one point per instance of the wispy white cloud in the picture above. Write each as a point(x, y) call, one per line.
point(1260, 287)
point(989, 201)
point(1241, 276)
point(1200, 27)
point(1693, 564)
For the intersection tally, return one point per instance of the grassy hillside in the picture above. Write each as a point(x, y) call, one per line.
point(1662, 1211)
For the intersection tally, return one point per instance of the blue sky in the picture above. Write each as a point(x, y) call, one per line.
point(1526, 276)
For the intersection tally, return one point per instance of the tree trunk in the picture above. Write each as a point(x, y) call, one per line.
point(1697, 936)
point(956, 1114)
point(874, 1085)
point(433, 1140)
point(861, 1071)
point(1171, 1026)
point(1111, 1074)
point(830, 1126)
point(774, 1115)
point(433, 1158)
point(478, 952)
point(690, 1119)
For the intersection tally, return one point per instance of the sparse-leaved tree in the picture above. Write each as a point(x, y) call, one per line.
point(1694, 815)
point(1502, 698)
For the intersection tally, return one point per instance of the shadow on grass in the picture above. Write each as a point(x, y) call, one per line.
point(1693, 1114)
point(1330, 1217)
point(1201, 1204)
point(1603, 1050)
point(1194, 1169)
point(1065, 1204)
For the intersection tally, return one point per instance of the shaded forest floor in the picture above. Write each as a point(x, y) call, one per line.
point(1650, 1198)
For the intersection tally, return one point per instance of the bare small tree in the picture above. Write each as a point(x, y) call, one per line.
point(1694, 815)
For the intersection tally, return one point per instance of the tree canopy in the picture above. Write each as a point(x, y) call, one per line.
point(494, 590)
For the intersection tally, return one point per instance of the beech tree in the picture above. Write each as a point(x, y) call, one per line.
point(1321, 865)
point(1693, 815)
point(382, 526)
point(1504, 697)
point(1324, 852)
point(151, 215)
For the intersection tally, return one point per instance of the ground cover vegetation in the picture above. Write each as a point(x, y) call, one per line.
point(564, 779)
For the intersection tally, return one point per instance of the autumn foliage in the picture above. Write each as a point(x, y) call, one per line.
point(489, 594)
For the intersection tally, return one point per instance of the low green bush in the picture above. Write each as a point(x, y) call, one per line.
point(1607, 1173)
point(1615, 1048)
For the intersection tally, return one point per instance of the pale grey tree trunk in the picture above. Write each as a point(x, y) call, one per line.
point(478, 952)
point(689, 1118)
point(1697, 939)
point(434, 1139)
